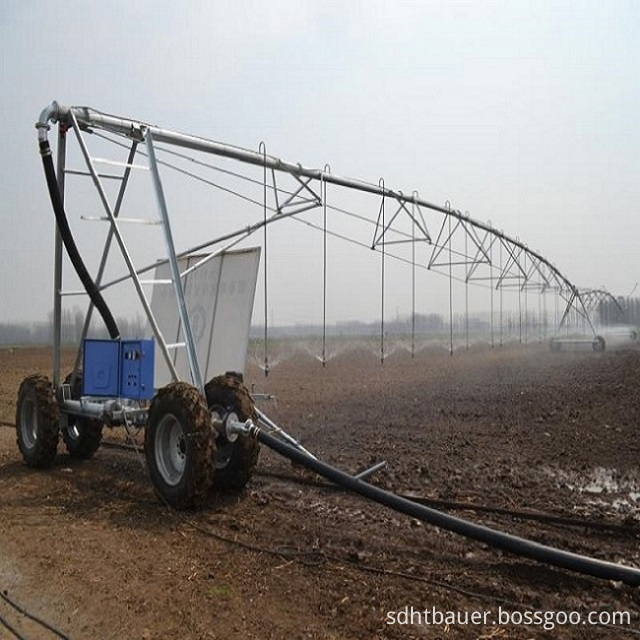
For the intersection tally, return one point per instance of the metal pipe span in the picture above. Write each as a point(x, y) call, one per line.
point(507, 542)
point(88, 118)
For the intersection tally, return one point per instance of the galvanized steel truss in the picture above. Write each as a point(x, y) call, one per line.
point(462, 249)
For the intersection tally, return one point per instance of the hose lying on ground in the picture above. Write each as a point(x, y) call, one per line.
point(506, 541)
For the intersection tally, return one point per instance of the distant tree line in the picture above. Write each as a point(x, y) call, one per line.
point(624, 311)
point(18, 333)
point(424, 324)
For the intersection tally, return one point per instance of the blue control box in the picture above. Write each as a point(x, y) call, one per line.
point(101, 370)
point(119, 368)
point(136, 369)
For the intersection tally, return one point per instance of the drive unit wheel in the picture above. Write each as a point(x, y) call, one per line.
point(82, 436)
point(234, 461)
point(37, 421)
point(179, 446)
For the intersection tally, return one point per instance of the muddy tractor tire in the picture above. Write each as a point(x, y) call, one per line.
point(235, 461)
point(180, 445)
point(37, 422)
point(82, 436)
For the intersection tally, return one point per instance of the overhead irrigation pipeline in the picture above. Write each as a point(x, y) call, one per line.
point(89, 119)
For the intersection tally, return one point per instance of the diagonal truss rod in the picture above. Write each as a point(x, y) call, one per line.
point(487, 250)
point(294, 200)
point(575, 302)
point(380, 234)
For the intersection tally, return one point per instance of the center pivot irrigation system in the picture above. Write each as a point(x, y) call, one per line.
point(202, 428)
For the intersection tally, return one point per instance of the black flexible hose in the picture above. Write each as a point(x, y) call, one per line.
point(70, 245)
point(506, 541)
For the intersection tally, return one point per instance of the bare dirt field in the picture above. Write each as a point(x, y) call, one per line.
point(487, 435)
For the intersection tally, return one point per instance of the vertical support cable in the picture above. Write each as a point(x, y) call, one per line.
point(501, 293)
point(448, 205)
point(519, 307)
point(546, 320)
point(491, 290)
point(540, 294)
point(262, 148)
point(466, 282)
point(413, 275)
point(526, 302)
point(323, 191)
point(381, 184)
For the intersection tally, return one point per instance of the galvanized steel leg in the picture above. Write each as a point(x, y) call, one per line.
point(192, 357)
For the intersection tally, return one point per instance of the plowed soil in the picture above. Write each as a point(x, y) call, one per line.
point(490, 435)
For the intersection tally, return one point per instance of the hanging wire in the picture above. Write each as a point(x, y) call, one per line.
point(131, 435)
point(546, 317)
point(519, 307)
point(448, 206)
point(540, 315)
point(501, 294)
point(466, 282)
point(526, 303)
point(415, 196)
point(381, 184)
point(491, 289)
point(262, 148)
point(323, 191)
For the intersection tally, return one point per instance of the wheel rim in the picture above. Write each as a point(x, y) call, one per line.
point(171, 450)
point(29, 423)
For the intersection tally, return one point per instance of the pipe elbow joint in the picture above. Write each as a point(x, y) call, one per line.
point(54, 113)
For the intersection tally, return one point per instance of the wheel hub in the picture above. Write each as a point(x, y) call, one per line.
point(171, 450)
point(224, 439)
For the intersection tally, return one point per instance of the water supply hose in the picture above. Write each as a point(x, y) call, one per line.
point(63, 225)
point(506, 541)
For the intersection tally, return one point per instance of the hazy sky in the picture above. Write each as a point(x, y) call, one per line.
point(524, 113)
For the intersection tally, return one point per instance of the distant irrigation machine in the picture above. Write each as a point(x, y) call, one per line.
point(183, 383)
